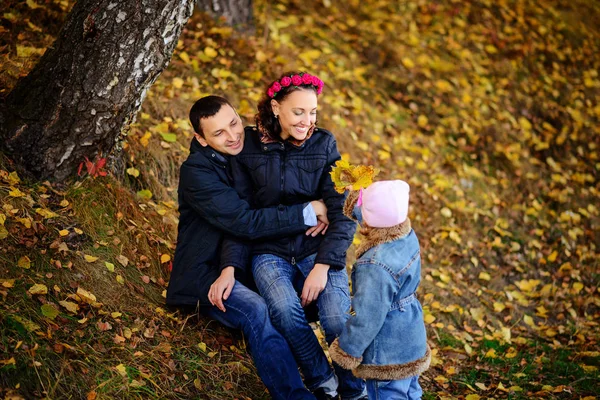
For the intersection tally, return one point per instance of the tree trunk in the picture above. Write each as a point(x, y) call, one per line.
point(90, 84)
point(236, 12)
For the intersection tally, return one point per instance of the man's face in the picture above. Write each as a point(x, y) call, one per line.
point(223, 132)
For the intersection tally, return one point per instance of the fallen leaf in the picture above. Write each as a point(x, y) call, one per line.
point(121, 370)
point(145, 194)
point(86, 297)
point(90, 259)
point(103, 326)
point(24, 262)
point(70, 306)
point(133, 172)
point(27, 324)
point(49, 311)
point(38, 288)
point(123, 260)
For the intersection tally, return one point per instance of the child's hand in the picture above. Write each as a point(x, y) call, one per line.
point(314, 284)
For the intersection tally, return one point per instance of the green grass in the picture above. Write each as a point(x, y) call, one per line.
point(447, 340)
point(533, 367)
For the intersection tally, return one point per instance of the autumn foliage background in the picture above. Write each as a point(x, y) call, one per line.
point(489, 109)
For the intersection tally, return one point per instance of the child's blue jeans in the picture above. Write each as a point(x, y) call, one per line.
point(403, 389)
point(279, 282)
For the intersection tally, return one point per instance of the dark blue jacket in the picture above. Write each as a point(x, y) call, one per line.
point(282, 173)
point(209, 207)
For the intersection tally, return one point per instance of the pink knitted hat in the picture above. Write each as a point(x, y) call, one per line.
point(385, 203)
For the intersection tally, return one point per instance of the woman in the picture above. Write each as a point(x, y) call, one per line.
point(287, 160)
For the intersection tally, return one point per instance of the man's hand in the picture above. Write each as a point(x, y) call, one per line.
point(323, 223)
point(221, 288)
point(314, 284)
point(319, 228)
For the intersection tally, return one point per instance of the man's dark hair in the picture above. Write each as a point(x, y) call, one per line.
point(204, 108)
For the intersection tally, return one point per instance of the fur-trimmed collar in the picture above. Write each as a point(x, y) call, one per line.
point(377, 236)
point(350, 203)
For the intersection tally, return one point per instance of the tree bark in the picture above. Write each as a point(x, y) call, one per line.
point(90, 84)
point(236, 12)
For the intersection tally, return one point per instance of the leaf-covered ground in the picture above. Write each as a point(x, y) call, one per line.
point(489, 109)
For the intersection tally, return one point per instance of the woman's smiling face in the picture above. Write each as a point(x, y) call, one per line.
point(297, 113)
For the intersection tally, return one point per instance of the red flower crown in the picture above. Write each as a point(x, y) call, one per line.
point(295, 80)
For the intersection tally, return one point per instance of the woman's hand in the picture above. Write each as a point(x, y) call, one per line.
point(314, 284)
point(222, 287)
point(320, 210)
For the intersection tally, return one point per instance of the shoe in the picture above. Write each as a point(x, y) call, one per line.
point(321, 395)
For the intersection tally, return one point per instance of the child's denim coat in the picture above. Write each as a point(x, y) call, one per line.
point(386, 339)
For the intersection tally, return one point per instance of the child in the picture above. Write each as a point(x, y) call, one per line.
point(385, 342)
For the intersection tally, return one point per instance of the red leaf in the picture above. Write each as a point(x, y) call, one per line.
point(103, 326)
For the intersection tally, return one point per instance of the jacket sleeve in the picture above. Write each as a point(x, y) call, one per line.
point(221, 205)
point(338, 238)
point(373, 297)
point(235, 253)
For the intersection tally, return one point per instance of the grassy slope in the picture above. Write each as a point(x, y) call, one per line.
point(489, 109)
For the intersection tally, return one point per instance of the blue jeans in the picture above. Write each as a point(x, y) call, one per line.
point(279, 282)
point(403, 389)
point(247, 311)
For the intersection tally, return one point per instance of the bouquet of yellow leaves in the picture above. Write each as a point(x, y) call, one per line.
point(359, 176)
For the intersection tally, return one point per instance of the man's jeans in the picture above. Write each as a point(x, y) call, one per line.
point(275, 363)
point(403, 389)
point(279, 282)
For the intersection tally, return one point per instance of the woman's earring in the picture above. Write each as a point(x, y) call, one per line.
point(276, 116)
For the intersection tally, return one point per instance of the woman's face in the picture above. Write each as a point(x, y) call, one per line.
point(296, 113)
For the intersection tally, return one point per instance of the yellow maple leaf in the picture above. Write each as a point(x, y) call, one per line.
point(344, 174)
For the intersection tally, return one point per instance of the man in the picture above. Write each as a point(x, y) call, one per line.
point(210, 208)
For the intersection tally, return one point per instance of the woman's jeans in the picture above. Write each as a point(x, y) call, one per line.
point(280, 282)
point(403, 389)
point(246, 310)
